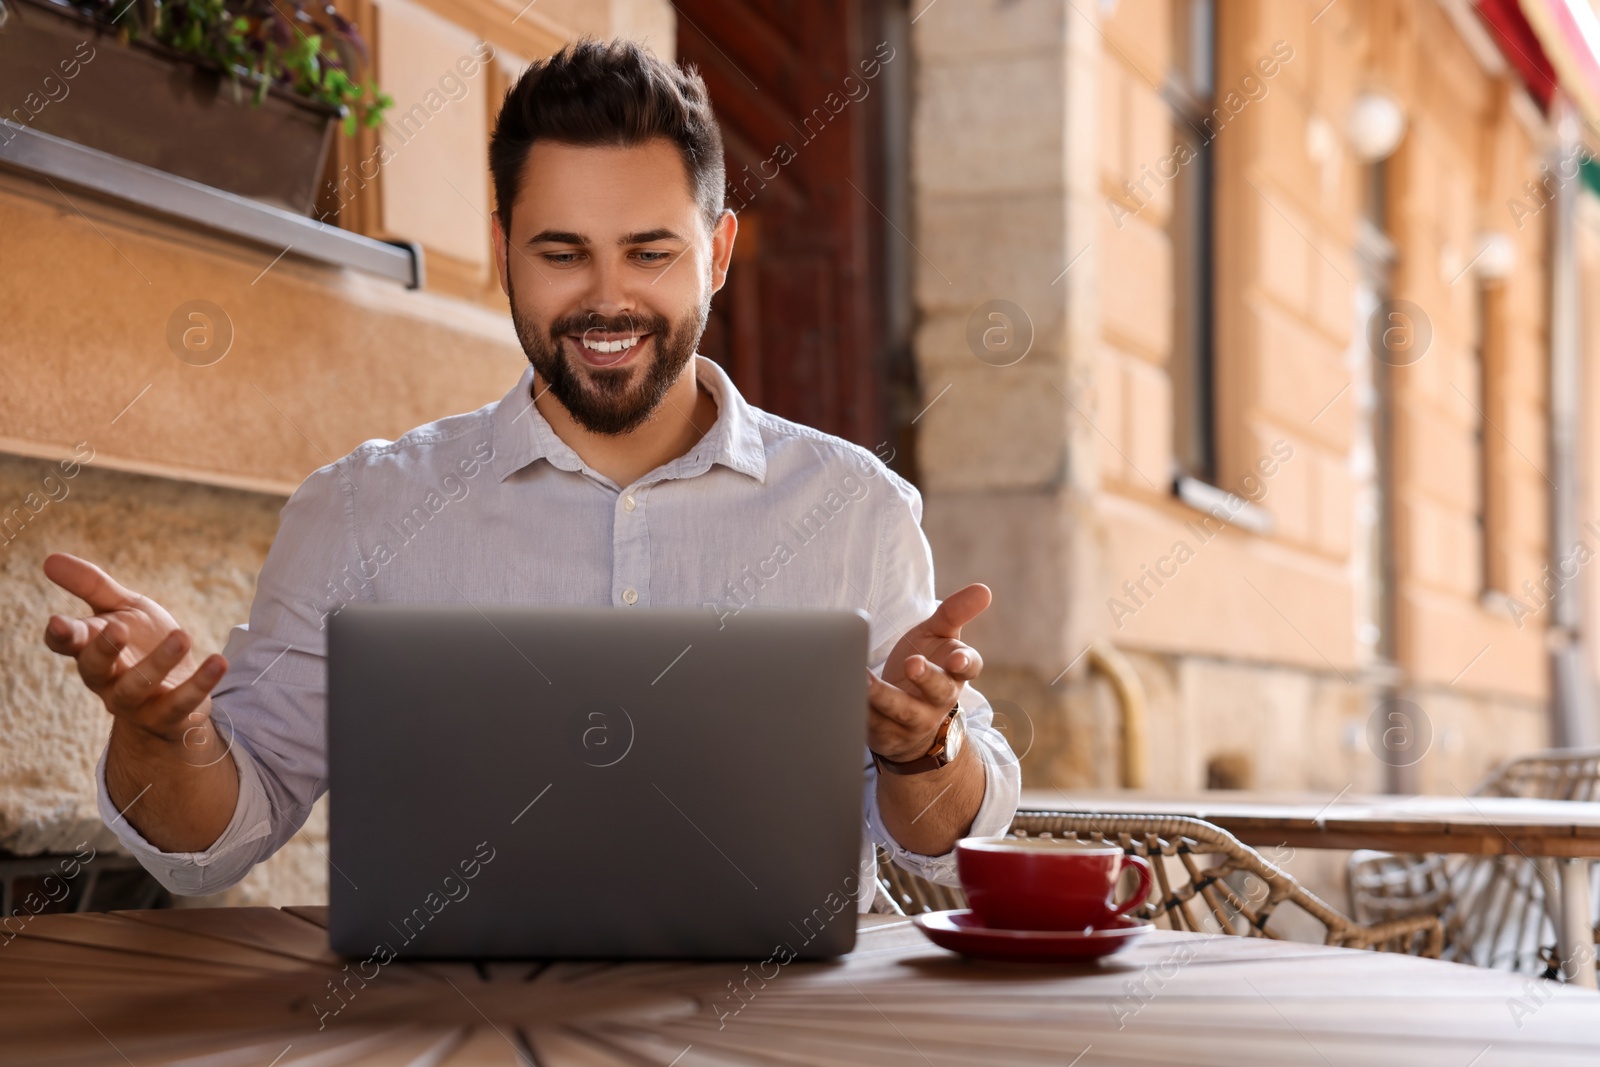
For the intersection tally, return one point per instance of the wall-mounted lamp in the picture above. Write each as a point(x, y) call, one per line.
point(1495, 257)
point(1375, 126)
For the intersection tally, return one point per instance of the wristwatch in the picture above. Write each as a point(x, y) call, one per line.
point(946, 747)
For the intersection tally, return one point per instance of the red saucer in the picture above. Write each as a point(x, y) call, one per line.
point(960, 931)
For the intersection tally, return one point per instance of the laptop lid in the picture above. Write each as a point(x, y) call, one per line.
point(594, 782)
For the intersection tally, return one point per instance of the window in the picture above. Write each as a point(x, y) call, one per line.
point(1488, 510)
point(1375, 254)
point(1188, 93)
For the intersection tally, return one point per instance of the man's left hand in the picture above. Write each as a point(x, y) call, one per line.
point(923, 677)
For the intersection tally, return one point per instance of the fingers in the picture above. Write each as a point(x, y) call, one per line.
point(935, 685)
point(88, 582)
point(66, 636)
point(956, 658)
point(942, 668)
point(97, 658)
point(143, 693)
point(893, 702)
point(173, 708)
point(964, 663)
point(129, 690)
point(901, 726)
point(910, 709)
point(958, 609)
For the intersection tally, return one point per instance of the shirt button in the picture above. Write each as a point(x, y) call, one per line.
point(630, 596)
point(627, 503)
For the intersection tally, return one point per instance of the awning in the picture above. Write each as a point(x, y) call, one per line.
point(1569, 30)
point(1550, 43)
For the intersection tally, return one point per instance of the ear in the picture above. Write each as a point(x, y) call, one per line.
point(501, 245)
point(722, 237)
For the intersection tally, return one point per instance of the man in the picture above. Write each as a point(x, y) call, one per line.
point(622, 469)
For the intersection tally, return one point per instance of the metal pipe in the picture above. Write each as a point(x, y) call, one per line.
point(1103, 656)
point(1571, 689)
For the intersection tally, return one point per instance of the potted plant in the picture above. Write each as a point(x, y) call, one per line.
point(242, 95)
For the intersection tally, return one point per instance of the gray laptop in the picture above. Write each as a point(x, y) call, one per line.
point(564, 783)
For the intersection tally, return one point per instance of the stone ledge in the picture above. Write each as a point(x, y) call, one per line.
point(183, 202)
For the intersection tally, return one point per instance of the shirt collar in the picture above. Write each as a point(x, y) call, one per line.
point(522, 435)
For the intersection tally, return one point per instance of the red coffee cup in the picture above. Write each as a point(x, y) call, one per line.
point(1038, 883)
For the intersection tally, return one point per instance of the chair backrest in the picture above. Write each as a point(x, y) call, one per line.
point(1206, 881)
point(1495, 910)
point(1554, 774)
point(1386, 885)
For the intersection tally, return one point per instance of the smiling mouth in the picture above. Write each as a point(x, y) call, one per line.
point(607, 350)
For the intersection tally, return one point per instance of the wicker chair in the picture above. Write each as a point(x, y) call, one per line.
point(1496, 910)
point(1206, 881)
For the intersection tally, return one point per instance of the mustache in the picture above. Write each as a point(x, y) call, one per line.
point(579, 324)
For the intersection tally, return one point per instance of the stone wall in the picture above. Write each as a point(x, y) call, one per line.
point(196, 550)
point(1230, 723)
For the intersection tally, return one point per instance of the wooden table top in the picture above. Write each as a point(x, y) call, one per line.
point(1485, 826)
point(240, 987)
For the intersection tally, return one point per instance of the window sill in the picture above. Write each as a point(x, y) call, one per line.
point(166, 195)
point(1222, 505)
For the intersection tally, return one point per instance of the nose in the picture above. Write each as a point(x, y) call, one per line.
point(608, 296)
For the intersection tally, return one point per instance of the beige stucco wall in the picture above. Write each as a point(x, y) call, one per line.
point(321, 358)
point(1285, 305)
point(1259, 635)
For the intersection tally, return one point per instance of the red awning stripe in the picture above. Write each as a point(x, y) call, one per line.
point(1521, 46)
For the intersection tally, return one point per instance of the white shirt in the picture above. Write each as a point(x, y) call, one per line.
point(493, 507)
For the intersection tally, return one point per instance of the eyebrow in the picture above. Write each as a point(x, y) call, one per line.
point(645, 237)
point(558, 237)
point(568, 237)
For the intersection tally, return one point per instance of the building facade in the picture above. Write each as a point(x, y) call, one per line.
point(1284, 443)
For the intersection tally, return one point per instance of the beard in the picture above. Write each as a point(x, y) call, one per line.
point(606, 400)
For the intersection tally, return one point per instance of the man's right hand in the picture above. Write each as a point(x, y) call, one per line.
point(132, 654)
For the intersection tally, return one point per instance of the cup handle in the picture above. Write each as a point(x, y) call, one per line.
point(1138, 896)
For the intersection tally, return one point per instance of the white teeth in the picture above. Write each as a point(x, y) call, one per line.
point(611, 346)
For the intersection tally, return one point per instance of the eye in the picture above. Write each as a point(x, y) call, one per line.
point(562, 259)
point(654, 256)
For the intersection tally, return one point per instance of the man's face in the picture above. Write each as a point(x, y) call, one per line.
point(610, 268)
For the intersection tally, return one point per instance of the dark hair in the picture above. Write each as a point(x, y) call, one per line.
point(607, 93)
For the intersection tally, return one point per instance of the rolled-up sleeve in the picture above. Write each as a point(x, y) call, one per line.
point(902, 597)
point(270, 706)
point(226, 861)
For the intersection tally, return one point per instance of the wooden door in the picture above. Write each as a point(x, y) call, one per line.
point(798, 86)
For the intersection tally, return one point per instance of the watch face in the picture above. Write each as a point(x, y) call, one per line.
point(954, 737)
